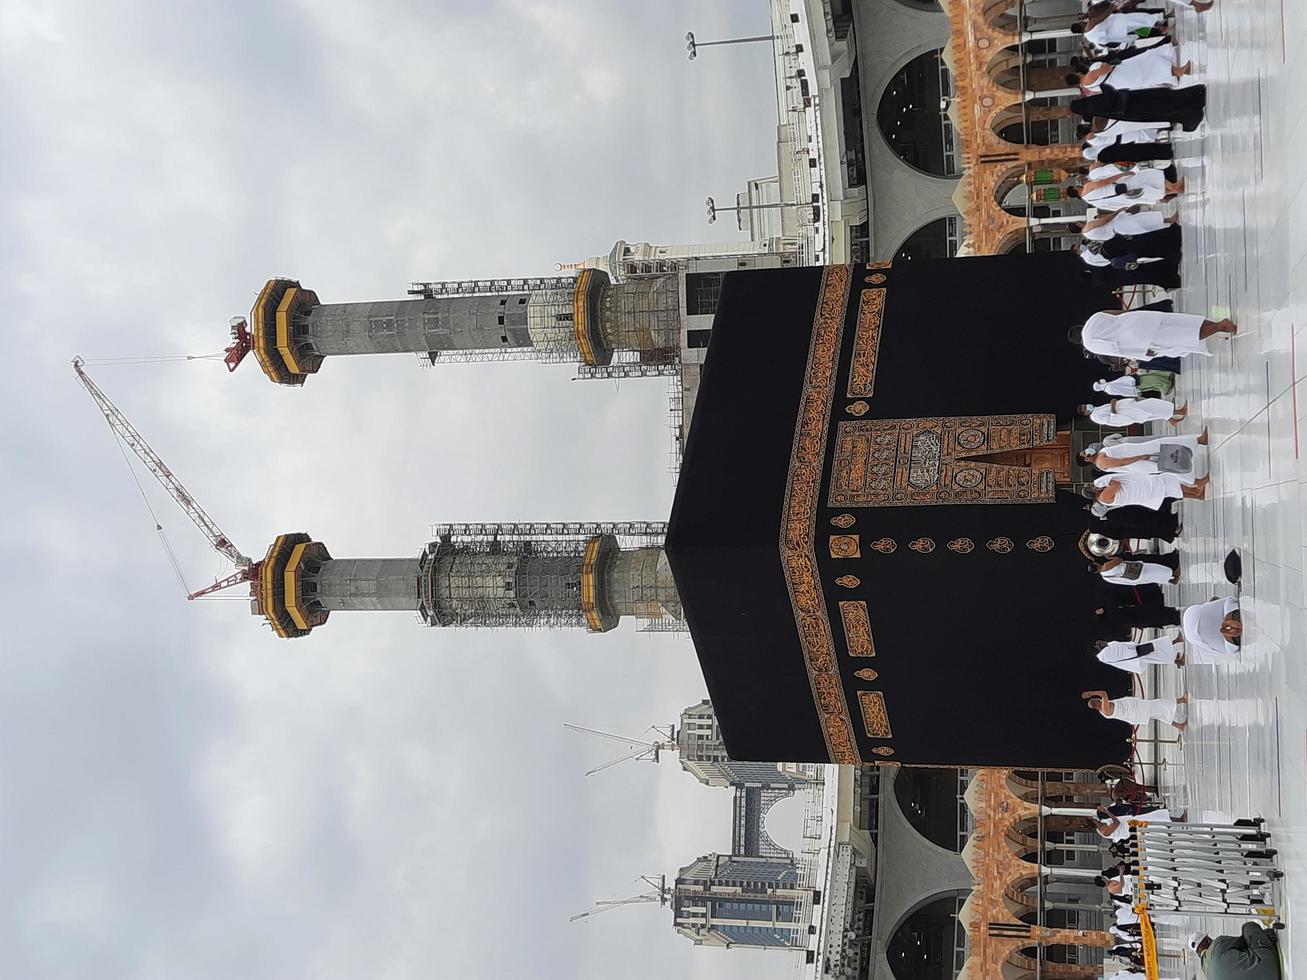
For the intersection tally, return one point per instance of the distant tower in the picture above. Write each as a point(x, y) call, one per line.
point(733, 900)
point(586, 319)
point(488, 575)
point(629, 259)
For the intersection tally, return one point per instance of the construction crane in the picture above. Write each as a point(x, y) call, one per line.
point(659, 894)
point(640, 749)
point(242, 342)
point(122, 428)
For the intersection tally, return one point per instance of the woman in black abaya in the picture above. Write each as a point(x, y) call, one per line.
point(1180, 106)
point(1163, 275)
point(1161, 244)
point(1119, 152)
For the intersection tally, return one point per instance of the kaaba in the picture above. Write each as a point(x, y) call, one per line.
point(871, 535)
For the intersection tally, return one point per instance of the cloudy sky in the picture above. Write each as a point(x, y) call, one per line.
point(181, 794)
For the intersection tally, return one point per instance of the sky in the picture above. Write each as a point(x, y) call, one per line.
point(181, 793)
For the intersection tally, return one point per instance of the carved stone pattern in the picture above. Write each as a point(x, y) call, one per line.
point(857, 629)
point(1000, 545)
point(845, 546)
point(798, 546)
point(944, 460)
point(922, 546)
point(886, 546)
point(858, 408)
point(963, 546)
point(844, 520)
point(875, 719)
point(866, 343)
point(1041, 543)
point(866, 674)
point(848, 581)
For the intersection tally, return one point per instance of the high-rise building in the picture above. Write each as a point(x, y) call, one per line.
point(703, 754)
point(735, 900)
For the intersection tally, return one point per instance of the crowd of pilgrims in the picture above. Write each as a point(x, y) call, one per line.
point(1134, 95)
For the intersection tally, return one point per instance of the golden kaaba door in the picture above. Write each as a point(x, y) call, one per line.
point(994, 459)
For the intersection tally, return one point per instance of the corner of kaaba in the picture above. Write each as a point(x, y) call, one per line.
point(876, 532)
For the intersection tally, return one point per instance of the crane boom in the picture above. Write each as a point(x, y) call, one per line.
point(637, 748)
point(124, 429)
point(659, 894)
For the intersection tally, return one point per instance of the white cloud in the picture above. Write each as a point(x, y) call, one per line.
point(185, 794)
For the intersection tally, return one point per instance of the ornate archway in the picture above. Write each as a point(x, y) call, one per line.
point(912, 118)
point(926, 943)
point(938, 239)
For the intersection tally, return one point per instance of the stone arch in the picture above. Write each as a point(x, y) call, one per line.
point(923, 937)
point(910, 120)
point(1057, 964)
point(928, 797)
point(1004, 186)
point(1016, 896)
point(1000, 15)
point(1013, 243)
point(1003, 60)
point(929, 220)
point(1005, 70)
point(769, 799)
point(1008, 123)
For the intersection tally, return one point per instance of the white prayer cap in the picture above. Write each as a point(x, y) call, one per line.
point(1196, 939)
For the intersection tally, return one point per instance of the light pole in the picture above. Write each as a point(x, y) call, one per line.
point(713, 208)
point(693, 46)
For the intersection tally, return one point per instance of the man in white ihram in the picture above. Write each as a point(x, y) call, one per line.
point(1122, 412)
point(1143, 334)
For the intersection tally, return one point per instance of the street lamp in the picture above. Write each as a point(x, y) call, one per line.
point(713, 208)
point(693, 46)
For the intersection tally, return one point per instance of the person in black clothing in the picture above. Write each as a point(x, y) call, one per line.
point(1119, 620)
point(1163, 244)
point(1137, 522)
point(1180, 106)
point(1163, 275)
point(1119, 152)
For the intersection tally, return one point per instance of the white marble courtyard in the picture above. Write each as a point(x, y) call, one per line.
point(1245, 221)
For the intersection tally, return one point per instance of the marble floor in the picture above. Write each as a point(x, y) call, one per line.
point(1245, 221)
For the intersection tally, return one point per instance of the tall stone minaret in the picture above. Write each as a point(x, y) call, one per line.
point(587, 319)
point(488, 575)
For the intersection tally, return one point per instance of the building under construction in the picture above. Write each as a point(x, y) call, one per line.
point(488, 575)
point(652, 317)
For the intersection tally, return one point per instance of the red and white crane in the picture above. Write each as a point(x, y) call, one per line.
point(246, 568)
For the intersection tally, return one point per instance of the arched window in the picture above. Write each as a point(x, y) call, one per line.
point(913, 119)
point(929, 799)
point(931, 943)
point(937, 240)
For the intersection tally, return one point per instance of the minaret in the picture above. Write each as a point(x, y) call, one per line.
point(587, 319)
point(490, 575)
